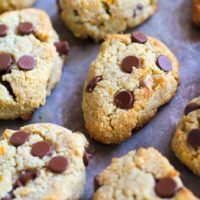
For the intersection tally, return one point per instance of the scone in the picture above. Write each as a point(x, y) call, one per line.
point(144, 174)
point(97, 19)
point(132, 76)
point(196, 12)
point(31, 61)
point(42, 162)
point(7, 5)
point(186, 141)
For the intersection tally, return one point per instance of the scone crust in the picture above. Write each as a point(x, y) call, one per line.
point(8, 5)
point(196, 12)
point(29, 87)
point(134, 176)
point(97, 19)
point(104, 121)
point(186, 153)
point(47, 186)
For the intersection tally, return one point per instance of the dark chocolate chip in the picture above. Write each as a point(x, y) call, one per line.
point(191, 107)
point(3, 30)
point(59, 7)
point(62, 47)
point(58, 164)
point(97, 184)
point(139, 6)
point(139, 37)
point(129, 62)
point(93, 83)
point(9, 88)
point(5, 62)
point(86, 158)
point(41, 149)
point(7, 197)
point(25, 28)
point(25, 177)
point(194, 138)
point(166, 188)
point(19, 138)
point(26, 63)
point(164, 63)
point(124, 100)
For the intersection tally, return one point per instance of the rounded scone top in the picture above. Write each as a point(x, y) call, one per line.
point(144, 174)
point(99, 18)
point(132, 76)
point(186, 141)
point(30, 64)
point(8, 5)
point(42, 161)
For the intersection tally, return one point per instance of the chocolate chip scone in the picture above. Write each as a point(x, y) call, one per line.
point(31, 61)
point(186, 141)
point(97, 19)
point(144, 174)
point(196, 12)
point(7, 5)
point(42, 162)
point(132, 76)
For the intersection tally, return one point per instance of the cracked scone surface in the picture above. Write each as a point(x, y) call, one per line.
point(7, 5)
point(196, 12)
point(139, 175)
point(111, 118)
point(97, 19)
point(46, 185)
point(186, 141)
point(27, 89)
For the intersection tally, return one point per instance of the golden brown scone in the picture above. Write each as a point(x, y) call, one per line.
point(31, 61)
point(132, 76)
point(196, 12)
point(141, 175)
point(8, 5)
point(42, 162)
point(186, 141)
point(97, 19)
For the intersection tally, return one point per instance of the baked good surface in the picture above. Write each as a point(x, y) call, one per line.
point(31, 61)
point(196, 12)
point(132, 76)
point(42, 161)
point(186, 141)
point(8, 5)
point(97, 19)
point(141, 174)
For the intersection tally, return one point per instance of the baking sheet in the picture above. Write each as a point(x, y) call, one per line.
point(172, 24)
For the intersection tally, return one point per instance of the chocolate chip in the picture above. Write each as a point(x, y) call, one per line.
point(191, 107)
point(25, 28)
point(41, 149)
point(59, 7)
point(62, 47)
point(58, 164)
point(18, 138)
point(124, 100)
point(93, 83)
point(139, 6)
point(26, 63)
point(3, 30)
point(129, 62)
point(86, 158)
point(7, 197)
point(97, 184)
point(166, 188)
point(194, 138)
point(25, 177)
point(139, 37)
point(164, 63)
point(5, 62)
